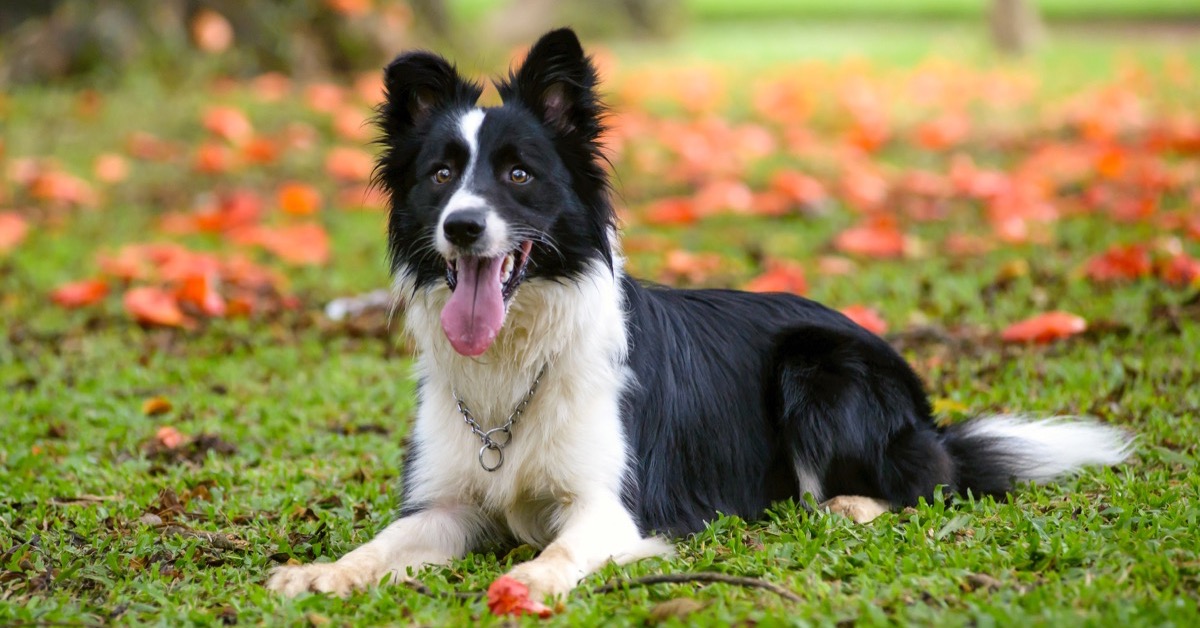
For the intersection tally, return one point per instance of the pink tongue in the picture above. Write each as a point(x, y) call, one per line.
point(475, 311)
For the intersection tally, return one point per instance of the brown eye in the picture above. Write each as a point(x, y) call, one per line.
point(442, 175)
point(519, 176)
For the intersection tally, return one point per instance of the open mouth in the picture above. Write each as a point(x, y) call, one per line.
point(512, 268)
point(480, 289)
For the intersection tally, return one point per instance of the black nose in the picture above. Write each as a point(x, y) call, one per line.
point(464, 226)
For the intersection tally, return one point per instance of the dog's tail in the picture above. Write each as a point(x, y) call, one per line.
point(991, 453)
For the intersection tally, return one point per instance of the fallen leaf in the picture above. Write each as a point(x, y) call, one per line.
point(1120, 262)
point(1045, 328)
point(13, 229)
point(298, 199)
point(508, 596)
point(80, 293)
point(1180, 270)
point(867, 318)
point(671, 211)
point(780, 276)
point(153, 306)
point(200, 291)
point(211, 32)
point(110, 168)
point(349, 164)
point(876, 238)
point(155, 406)
point(229, 123)
point(169, 437)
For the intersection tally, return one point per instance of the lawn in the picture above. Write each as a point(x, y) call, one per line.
point(155, 466)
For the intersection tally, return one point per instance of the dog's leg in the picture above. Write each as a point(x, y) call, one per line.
point(432, 536)
point(857, 508)
point(593, 534)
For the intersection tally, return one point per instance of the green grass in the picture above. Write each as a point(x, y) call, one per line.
point(318, 414)
point(774, 10)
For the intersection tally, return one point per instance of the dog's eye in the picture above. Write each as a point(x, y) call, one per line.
point(442, 176)
point(519, 176)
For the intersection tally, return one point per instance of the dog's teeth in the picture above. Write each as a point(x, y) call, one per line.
point(507, 269)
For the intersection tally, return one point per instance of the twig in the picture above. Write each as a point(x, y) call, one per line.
point(420, 587)
point(707, 577)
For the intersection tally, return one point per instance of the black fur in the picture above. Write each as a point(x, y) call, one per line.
point(731, 392)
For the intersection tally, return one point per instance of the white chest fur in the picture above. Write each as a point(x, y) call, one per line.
point(567, 444)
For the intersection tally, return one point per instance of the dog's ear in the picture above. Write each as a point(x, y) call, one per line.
point(557, 82)
point(417, 84)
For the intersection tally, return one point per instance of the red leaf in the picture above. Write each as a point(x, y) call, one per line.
point(298, 199)
point(1180, 270)
point(780, 276)
point(153, 306)
point(13, 229)
point(867, 318)
point(229, 123)
point(800, 188)
point(303, 244)
point(1045, 328)
point(671, 211)
point(211, 31)
point(200, 291)
point(80, 293)
point(944, 132)
point(1120, 263)
point(875, 238)
point(349, 164)
point(507, 596)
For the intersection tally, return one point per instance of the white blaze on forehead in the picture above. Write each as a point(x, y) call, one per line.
point(496, 232)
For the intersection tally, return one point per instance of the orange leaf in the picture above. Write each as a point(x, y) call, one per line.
point(211, 31)
point(350, 123)
point(876, 238)
point(298, 199)
point(944, 132)
point(200, 291)
point(1120, 263)
point(153, 306)
point(212, 158)
point(13, 229)
point(349, 164)
point(229, 123)
point(780, 276)
point(260, 150)
point(695, 267)
point(324, 97)
point(303, 244)
point(671, 211)
point(155, 406)
point(867, 318)
point(508, 596)
point(1180, 270)
point(1045, 328)
point(350, 8)
point(169, 437)
point(110, 168)
point(800, 188)
point(80, 293)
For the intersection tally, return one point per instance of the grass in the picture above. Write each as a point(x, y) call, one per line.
point(773, 10)
point(317, 414)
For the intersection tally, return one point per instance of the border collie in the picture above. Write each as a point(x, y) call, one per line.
point(566, 405)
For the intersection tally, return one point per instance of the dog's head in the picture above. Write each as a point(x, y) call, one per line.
point(486, 199)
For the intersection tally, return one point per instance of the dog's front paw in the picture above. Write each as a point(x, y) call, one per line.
point(544, 579)
point(857, 509)
point(338, 578)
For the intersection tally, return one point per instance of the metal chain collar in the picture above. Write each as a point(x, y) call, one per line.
point(489, 437)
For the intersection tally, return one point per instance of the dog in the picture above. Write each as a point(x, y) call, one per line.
point(563, 404)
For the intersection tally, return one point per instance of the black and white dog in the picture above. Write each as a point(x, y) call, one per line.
point(568, 406)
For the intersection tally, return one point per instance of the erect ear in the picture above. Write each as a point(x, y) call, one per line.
point(416, 85)
point(557, 82)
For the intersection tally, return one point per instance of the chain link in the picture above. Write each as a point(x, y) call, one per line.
point(489, 437)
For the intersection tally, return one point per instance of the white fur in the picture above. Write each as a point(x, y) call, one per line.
point(495, 234)
point(561, 482)
point(1049, 448)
